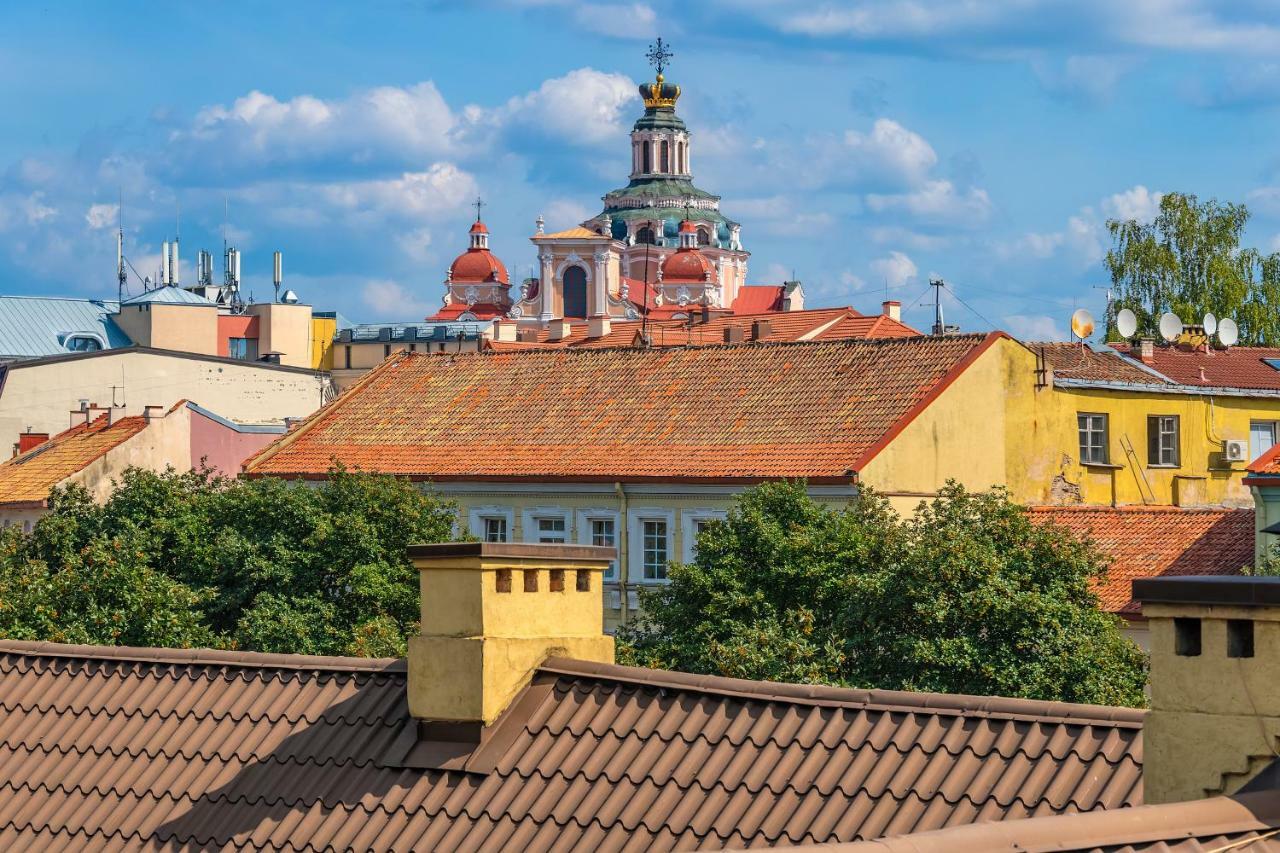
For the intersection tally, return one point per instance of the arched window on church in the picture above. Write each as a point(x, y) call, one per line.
point(666, 156)
point(645, 236)
point(575, 293)
point(680, 155)
point(644, 146)
point(704, 236)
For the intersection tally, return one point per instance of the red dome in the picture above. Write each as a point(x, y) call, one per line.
point(688, 265)
point(478, 265)
point(479, 228)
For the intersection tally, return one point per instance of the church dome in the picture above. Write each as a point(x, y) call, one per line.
point(688, 264)
point(477, 264)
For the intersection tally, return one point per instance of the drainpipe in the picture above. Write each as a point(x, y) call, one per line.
point(623, 525)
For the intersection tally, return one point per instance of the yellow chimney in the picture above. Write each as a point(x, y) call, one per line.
point(1215, 684)
point(492, 613)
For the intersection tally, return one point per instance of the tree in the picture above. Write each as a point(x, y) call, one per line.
point(1189, 260)
point(965, 596)
point(196, 560)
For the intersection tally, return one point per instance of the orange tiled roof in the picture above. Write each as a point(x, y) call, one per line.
point(866, 326)
point(28, 478)
point(1267, 463)
point(735, 413)
point(1237, 367)
point(1146, 541)
point(759, 298)
point(1073, 361)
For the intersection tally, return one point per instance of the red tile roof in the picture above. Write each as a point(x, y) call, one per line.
point(758, 298)
point(869, 326)
point(1074, 361)
point(723, 413)
point(26, 479)
point(132, 749)
point(1237, 367)
point(1147, 541)
point(1267, 463)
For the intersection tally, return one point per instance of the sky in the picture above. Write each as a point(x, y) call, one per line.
point(864, 146)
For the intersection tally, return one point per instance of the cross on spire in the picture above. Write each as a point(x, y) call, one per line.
point(659, 56)
point(477, 204)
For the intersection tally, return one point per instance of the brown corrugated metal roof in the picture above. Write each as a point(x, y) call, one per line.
point(1247, 822)
point(142, 749)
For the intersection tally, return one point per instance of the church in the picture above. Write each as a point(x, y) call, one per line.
point(660, 249)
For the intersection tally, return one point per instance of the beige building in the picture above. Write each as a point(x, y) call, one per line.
point(36, 394)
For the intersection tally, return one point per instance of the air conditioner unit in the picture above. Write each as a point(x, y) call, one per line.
point(1235, 450)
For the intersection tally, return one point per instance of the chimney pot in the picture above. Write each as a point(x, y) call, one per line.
point(29, 440)
point(892, 309)
point(483, 636)
point(1147, 350)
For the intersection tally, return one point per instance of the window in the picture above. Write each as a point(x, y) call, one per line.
point(1093, 439)
point(1262, 437)
point(704, 237)
point(604, 533)
point(645, 236)
point(386, 350)
point(1186, 637)
point(1239, 638)
point(655, 551)
point(495, 529)
point(346, 357)
point(647, 165)
point(1162, 440)
point(666, 156)
point(245, 349)
point(692, 523)
point(83, 343)
point(551, 530)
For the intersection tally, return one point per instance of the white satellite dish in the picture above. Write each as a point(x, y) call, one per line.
point(1126, 323)
point(1082, 323)
point(1228, 332)
point(1210, 324)
point(1170, 326)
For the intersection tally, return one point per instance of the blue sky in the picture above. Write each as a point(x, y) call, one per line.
point(866, 146)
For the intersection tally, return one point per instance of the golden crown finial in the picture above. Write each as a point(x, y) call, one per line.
point(658, 94)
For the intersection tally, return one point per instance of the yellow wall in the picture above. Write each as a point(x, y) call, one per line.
point(322, 331)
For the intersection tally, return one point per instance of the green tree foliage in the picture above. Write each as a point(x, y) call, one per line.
point(1189, 261)
point(966, 596)
point(196, 560)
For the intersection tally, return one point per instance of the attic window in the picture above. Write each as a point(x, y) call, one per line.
point(1273, 363)
point(82, 343)
point(1186, 637)
point(1239, 638)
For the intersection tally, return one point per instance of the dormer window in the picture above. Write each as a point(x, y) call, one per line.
point(83, 343)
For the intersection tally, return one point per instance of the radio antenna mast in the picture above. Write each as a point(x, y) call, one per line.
point(122, 278)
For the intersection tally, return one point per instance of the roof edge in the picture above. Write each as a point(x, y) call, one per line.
point(201, 657)
point(816, 694)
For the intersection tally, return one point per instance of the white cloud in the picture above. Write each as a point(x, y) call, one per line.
point(623, 20)
point(1085, 78)
point(896, 234)
point(416, 245)
point(101, 216)
point(852, 281)
point(18, 210)
point(389, 299)
point(894, 270)
point(563, 213)
point(1085, 235)
point(582, 106)
point(1033, 327)
point(441, 189)
point(937, 201)
point(891, 149)
point(1137, 203)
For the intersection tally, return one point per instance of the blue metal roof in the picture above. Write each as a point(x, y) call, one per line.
point(38, 326)
point(168, 295)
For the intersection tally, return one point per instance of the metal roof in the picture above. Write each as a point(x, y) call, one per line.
point(168, 295)
point(37, 326)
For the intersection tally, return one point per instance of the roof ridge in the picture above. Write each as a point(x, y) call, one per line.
point(1167, 509)
point(201, 657)
point(816, 694)
point(831, 343)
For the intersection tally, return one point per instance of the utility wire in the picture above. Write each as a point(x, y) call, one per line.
point(956, 296)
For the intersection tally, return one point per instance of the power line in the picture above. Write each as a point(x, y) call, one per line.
point(956, 296)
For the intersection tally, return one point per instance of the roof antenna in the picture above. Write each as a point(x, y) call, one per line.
point(122, 277)
point(937, 284)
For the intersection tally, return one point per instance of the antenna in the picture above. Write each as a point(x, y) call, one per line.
point(1082, 324)
point(938, 326)
point(277, 268)
point(1126, 323)
point(175, 276)
point(1228, 332)
point(164, 263)
point(1170, 326)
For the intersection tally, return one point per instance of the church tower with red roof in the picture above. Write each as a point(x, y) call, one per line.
point(477, 286)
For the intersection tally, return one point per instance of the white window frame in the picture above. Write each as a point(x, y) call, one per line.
point(635, 542)
point(583, 522)
point(689, 519)
point(477, 514)
point(1254, 450)
point(529, 521)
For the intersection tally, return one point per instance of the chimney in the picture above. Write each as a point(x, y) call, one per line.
point(892, 309)
point(1214, 723)
point(114, 413)
point(1147, 350)
point(80, 416)
point(151, 413)
point(29, 439)
point(527, 336)
point(504, 330)
point(761, 330)
point(558, 330)
point(491, 614)
point(598, 327)
point(732, 334)
point(94, 411)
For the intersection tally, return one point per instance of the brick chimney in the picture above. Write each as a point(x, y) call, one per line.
point(761, 330)
point(732, 334)
point(491, 614)
point(527, 336)
point(1215, 695)
point(892, 309)
point(1147, 350)
point(29, 439)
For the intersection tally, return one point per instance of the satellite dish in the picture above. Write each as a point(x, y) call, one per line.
point(1082, 324)
point(1126, 323)
point(1228, 332)
point(1210, 324)
point(1170, 326)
